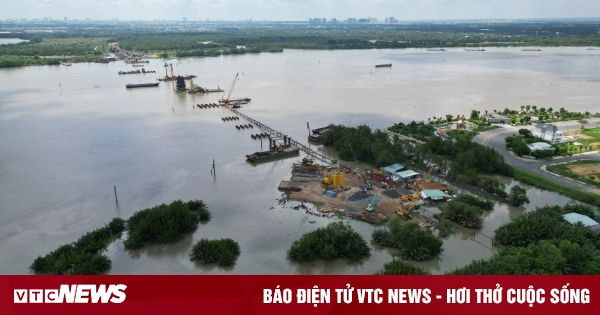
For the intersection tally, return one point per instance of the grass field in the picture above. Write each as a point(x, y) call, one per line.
point(587, 171)
point(594, 137)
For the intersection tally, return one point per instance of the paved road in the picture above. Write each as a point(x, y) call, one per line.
point(495, 139)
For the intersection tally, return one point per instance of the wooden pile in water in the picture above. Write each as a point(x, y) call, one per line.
point(207, 105)
point(230, 118)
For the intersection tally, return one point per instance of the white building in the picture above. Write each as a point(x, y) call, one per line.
point(549, 132)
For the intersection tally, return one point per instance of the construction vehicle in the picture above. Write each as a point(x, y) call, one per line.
point(366, 184)
point(406, 209)
point(372, 205)
point(414, 197)
point(224, 99)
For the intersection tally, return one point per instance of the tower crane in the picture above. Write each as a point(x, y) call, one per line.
point(226, 100)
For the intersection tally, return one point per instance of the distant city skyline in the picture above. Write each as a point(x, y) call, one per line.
point(296, 10)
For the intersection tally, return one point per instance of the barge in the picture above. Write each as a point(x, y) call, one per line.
point(316, 132)
point(383, 65)
point(130, 72)
point(436, 49)
point(281, 152)
point(129, 86)
point(174, 78)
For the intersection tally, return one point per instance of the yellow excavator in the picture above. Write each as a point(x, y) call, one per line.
point(404, 209)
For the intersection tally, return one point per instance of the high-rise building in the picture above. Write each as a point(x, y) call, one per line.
point(351, 21)
point(316, 21)
point(65, 18)
point(386, 20)
point(324, 20)
point(184, 19)
point(392, 20)
point(334, 21)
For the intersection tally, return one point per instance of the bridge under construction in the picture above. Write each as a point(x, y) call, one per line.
point(278, 135)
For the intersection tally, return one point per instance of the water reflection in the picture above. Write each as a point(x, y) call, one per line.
point(65, 143)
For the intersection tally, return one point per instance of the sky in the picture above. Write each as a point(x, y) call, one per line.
point(297, 10)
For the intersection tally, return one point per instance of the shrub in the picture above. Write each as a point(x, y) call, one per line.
point(518, 196)
point(463, 214)
point(224, 251)
point(546, 223)
point(164, 223)
point(413, 242)
point(80, 257)
point(475, 201)
point(398, 267)
point(336, 240)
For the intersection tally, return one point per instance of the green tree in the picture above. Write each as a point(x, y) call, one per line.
point(398, 267)
point(518, 196)
point(449, 118)
point(528, 107)
point(474, 114)
point(583, 122)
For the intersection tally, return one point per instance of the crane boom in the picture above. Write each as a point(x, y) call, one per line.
point(226, 100)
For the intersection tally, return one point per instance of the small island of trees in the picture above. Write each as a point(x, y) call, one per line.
point(80, 257)
point(224, 251)
point(163, 223)
point(336, 240)
point(413, 242)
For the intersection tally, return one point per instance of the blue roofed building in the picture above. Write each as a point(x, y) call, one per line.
point(575, 218)
point(408, 174)
point(391, 169)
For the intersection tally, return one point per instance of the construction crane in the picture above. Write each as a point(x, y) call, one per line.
point(172, 77)
point(226, 100)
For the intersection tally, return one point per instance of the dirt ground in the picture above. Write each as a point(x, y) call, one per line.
point(313, 192)
point(586, 170)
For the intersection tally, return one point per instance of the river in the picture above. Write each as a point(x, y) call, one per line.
point(4, 41)
point(69, 134)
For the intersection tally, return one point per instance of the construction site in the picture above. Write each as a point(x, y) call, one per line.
point(368, 195)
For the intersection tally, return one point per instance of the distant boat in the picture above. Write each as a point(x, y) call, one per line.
point(528, 49)
point(66, 63)
point(141, 85)
point(383, 65)
point(593, 48)
point(474, 49)
point(436, 49)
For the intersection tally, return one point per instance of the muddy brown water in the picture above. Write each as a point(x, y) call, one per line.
point(69, 134)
